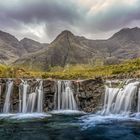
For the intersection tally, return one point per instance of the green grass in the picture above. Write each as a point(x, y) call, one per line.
point(88, 71)
point(130, 67)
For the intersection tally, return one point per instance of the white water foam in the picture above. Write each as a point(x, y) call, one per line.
point(93, 120)
point(68, 112)
point(120, 105)
point(20, 116)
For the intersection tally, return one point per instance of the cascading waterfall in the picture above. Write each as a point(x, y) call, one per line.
point(64, 97)
point(24, 96)
point(0, 90)
point(121, 100)
point(30, 102)
point(0, 93)
point(9, 88)
point(40, 97)
point(20, 98)
point(138, 108)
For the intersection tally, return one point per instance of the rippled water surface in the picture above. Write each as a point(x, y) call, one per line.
point(68, 127)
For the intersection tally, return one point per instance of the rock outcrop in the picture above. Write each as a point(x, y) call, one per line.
point(89, 94)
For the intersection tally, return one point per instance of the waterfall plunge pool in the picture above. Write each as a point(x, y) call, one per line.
point(69, 127)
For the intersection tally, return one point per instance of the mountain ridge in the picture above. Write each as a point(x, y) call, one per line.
point(12, 49)
point(67, 49)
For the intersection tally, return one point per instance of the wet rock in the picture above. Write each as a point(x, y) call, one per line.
point(49, 91)
point(89, 94)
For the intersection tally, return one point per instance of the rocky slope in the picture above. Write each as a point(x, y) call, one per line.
point(70, 49)
point(65, 49)
point(11, 49)
point(31, 46)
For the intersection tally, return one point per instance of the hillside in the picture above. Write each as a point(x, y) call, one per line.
point(31, 46)
point(64, 50)
point(128, 69)
point(12, 49)
point(68, 49)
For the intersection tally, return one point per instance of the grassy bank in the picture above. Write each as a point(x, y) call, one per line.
point(131, 67)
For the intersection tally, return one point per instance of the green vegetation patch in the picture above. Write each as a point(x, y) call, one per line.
point(74, 71)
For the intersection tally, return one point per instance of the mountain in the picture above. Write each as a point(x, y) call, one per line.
point(11, 49)
point(127, 43)
point(65, 49)
point(70, 49)
point(31, 46)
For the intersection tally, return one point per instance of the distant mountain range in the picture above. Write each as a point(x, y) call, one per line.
point(70, 49)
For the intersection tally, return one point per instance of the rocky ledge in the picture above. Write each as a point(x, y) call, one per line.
point(88, 93)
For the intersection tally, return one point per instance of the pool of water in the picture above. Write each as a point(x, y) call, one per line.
point(68, 127)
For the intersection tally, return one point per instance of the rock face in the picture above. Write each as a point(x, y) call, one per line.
point(88, 94)
point(70, 49)
point(49, 91)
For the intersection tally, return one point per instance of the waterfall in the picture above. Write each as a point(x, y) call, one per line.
point(0, 94)
point(31, 102)
point(121, 100)
point(20, 98)
point(9, 88)
point(40, 97)
point(138, 108)
point(64, 97)
point(0, 90)
point(24, 96)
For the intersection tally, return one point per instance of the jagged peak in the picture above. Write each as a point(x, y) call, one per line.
point(64, 34)
point(129, 29)
point(126, 31)
point(25, 38)
point(135, 28)
point(28, 40)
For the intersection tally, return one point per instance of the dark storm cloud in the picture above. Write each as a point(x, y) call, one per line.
point(49, 11)
point(74, 15)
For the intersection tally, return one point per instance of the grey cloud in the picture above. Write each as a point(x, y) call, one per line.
point(115, 17)
point(59, 15)
point(48, 11)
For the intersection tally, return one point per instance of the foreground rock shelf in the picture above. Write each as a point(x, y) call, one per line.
point(88, 93)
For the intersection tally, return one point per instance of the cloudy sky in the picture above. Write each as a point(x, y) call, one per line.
point(43, 20)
